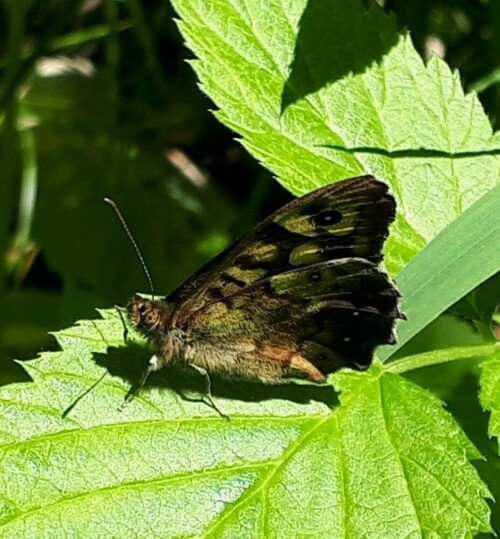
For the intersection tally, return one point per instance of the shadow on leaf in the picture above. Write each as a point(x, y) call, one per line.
point(334, 41)
point(130, 362)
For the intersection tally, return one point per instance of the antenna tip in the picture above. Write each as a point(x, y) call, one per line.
point(110, 201)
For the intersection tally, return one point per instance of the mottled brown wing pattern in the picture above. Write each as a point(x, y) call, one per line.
point(313, 320)
point(299, 296)
point(346, 219)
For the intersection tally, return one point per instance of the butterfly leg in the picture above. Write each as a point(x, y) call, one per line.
point(208, 389)
point(153, 365)
point(82, 395)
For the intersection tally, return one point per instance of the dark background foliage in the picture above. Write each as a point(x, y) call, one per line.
point(97, 99)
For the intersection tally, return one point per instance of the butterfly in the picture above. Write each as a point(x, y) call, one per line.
point(299, 296)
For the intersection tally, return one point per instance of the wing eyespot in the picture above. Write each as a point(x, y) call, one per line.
point(328, 218)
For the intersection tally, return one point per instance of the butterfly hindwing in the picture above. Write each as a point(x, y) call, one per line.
point(330, 314)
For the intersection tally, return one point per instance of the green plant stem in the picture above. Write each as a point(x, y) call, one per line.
point(29, 187)
point(112, 51)
point(76, 39)
point(145, 39)
point(436, 357)
point(18, 69)
point(489, 80)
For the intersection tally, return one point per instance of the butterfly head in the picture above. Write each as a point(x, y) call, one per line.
point(150, 317)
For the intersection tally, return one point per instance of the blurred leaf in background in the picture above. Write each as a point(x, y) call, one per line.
point(97, 101)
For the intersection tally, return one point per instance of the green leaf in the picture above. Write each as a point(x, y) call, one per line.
point(387, 462)
point(490, 391)
point(319, 94)
point(481, 305)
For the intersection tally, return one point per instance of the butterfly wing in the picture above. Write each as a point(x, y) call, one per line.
point(306, 322)
point(300, 295)
point(347, 219)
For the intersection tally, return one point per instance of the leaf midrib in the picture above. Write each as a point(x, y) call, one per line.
point(260, 484)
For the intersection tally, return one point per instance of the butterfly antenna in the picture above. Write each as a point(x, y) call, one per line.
point(113, 204)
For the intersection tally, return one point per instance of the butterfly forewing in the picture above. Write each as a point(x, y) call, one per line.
point(346, 219)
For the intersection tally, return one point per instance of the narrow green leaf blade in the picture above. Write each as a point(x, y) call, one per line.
point(458, 260)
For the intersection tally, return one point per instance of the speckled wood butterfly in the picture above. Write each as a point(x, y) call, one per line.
point(300, 296)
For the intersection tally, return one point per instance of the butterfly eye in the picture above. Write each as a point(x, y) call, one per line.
point(327, 218)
